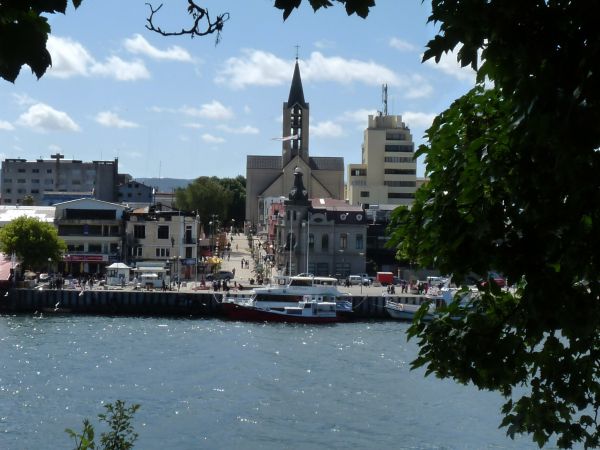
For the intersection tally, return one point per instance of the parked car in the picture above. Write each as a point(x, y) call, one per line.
point(220, 275)
point(358, 280)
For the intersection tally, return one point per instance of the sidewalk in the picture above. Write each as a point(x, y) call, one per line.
point(239, 250)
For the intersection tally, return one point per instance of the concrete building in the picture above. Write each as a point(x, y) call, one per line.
point(269, 177)
point(154, 234)
point(92, 230)
point(321, 236)
point(135, 193)
point(388, 172)
point(52, 180)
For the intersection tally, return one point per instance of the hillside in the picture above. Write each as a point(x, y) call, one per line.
point(165, 184)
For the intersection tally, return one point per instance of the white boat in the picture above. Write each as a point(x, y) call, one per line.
point(406, 311)
point(304, 311)
point(406, 307)
point(289, 291)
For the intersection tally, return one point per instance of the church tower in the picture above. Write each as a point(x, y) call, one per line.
point(295, 122)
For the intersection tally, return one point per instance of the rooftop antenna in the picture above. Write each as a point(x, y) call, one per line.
point(384, 99)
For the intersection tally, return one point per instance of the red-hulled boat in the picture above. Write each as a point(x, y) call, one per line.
point(306, 311)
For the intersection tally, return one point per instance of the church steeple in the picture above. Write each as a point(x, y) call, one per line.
point(296, 91)
point(295, 121)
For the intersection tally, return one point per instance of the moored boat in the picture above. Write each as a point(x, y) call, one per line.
point(290, 291)
point(305, 311)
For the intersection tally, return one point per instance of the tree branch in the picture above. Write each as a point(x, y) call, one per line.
point(198, 15)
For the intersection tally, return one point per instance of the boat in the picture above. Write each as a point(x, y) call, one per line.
point(305, 311)
point(407, 311)
point(406, 307)
point(290, 291)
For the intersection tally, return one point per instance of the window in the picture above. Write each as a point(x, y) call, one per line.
point(7, 200)
point(343, 240)
point(188, 252)
point(398, 159)
point(8, 180)
point(400, 195)
point(21, 191)
point(400, 183)
point(48, 170)
point(364, 193)
point(35, 170)
point(395, 136)
point(163, 252)
point(359, 242)
point(74, 182)
point(7, 190)
point(358, 172)
point(21, 180)
point(400, 171)
point(311, 241)
point(139, 231)
point(35, 191)
point(21, 170)
point(95, 248)
point(325, 242)
point(35, 181)
point(399, 148)
point(137, 251)
point(48, 181)
point(163, 232)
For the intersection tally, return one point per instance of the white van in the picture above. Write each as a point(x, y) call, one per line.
point(357, 280)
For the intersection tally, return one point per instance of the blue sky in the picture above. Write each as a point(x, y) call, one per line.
point(183, 108)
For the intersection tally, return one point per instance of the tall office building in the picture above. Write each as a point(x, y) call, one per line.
point(50, 181)
point(388, 172)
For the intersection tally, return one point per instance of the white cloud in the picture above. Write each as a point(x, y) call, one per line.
point(121, 70)
point(42, 117)
point(255, 67)
point(247, 129)
point(193, 125)
point(69, 58)
point(214, 110)
point(112, 120)
point(359, 115)
point(54, 148)
point(326, 129)
point(450, 66)
point(138, 45)
point(402, 45)
point(23, 99)
point(6, 126)
point(259, 68)
point(418, 119)
point(324, 44)
point(210, 139)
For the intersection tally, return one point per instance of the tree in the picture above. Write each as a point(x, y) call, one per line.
point(237, 187)
point(121, 435)
point(206, 196)
point(32, 241)
point(514, 187)
point(23, 35)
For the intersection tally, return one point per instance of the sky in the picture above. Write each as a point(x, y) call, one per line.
point(175, 107)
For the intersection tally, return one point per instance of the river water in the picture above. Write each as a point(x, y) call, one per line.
point(213, 384)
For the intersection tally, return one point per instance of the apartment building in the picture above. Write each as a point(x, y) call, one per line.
point(388, 172)
point(50, 181)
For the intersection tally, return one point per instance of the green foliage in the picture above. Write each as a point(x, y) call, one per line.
point(121, 435)
point(33, 241)
point(358, 7)
point(514, 187)
point(23, 35)
point(225, 197)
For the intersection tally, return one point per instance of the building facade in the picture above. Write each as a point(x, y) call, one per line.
point(388, 172)
point(319, 236)
point(49, 181)
point(269, 177)
point(93, 232)
point(154, 234)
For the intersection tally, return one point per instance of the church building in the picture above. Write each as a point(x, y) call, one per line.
point(268, 177)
